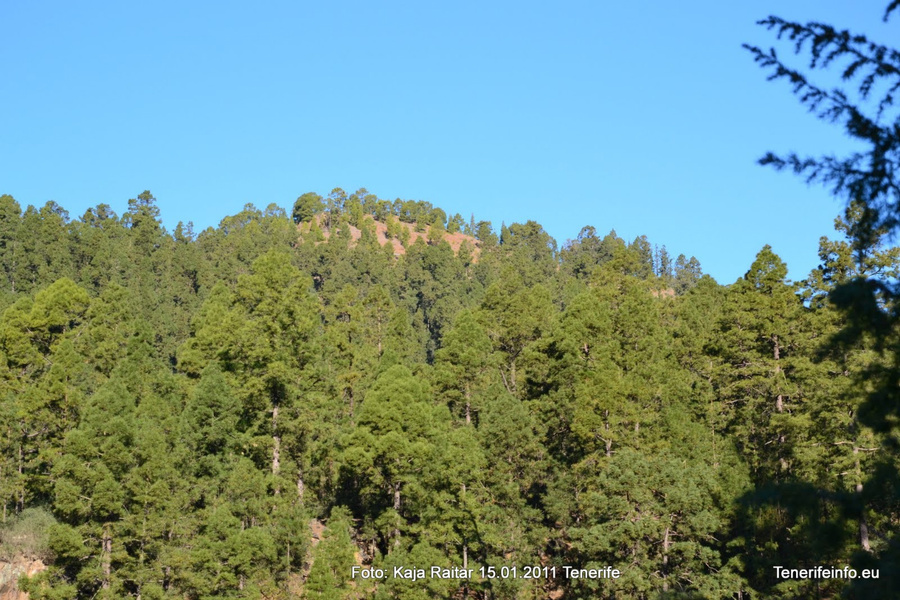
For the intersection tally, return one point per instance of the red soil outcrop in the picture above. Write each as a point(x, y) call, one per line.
point(454, 239)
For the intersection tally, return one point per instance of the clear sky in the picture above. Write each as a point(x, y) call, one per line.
point(646, 117)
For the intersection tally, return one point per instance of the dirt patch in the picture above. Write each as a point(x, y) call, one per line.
point(455, 240)
point(317, 528)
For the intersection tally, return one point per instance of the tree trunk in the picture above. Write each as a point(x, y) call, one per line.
point(106, 561)
point(465, 567)
point(276, 454)
point(396, 533)
point(863, 525)
point(779, 401)
point(20, 497)
point(276, 446)
point(465, 549)
point(468, 405)
point(666, 561)
point(505, 382)
point(276, 442)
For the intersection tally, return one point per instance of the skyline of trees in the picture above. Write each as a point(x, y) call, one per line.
point(182, 407)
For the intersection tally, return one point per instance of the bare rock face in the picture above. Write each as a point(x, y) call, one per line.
point(9, 577)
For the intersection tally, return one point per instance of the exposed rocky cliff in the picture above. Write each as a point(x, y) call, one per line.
point(9, 577)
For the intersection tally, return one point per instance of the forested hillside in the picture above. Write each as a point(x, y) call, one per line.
point(252, 410)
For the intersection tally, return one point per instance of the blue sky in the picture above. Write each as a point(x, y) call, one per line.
point(646, 117)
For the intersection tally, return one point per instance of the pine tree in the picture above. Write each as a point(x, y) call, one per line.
point(333, 557)
point(513, 316)
point(45, 381)
point(763, 341)
point(306, 207)
point(463, 365)
point(867, 178)
point(10, 216)
point(687, 273)
point(391, 446)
